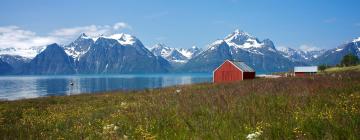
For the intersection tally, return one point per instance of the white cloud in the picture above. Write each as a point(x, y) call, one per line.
point(121, 25)
point(16, 37)
point(91, 30)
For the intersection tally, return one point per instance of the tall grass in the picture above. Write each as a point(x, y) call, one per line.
point(342, 69)
point(323, 107)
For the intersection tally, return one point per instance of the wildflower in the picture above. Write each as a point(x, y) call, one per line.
point(124, 105)
point(125, 137)
point(111, 128)
point(254, 136)
point(178, 90)
point(116, 128)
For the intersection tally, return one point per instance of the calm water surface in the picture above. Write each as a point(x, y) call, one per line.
point(20, 87)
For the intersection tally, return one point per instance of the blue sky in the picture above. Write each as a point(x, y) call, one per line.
point(289, 23)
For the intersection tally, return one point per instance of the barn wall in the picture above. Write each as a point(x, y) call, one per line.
point(227, 73)
point(304, 74)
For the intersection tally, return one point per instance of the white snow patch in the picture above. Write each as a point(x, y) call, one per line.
point(165, 52)
point(250, 43)
point(179, 61)
point(186, 53)
point(123, 39)
point(356, 40)
point(217, 42)
point(339, 49)
point(84, 36)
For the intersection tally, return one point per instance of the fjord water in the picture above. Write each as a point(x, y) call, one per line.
point(21, 87)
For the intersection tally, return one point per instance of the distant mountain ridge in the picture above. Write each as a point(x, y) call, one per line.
point(298, 55)
point(175, 55)
point(333, 57)
point(124, 53)
point(239, 45)
point(15, 61)
point(118, 53)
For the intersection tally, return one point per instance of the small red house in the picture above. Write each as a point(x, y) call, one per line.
point(232, 71)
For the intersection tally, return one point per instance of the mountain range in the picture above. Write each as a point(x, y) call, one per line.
point(239, 45)
point(333, 56)
point(176, 56)
point(299, 55)
point(124, 53)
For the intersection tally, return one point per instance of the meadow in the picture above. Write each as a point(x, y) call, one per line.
point(326, 106)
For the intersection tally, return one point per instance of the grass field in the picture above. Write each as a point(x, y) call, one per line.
point(323, 107)
point(340, 69)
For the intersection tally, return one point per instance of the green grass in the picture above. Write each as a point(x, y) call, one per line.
point(341, 69)
point(323, 107)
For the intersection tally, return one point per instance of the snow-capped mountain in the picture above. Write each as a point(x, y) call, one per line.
point(161, 50)
point(175, 55)
point(190, 52)
point(53, 60)
point(239, 45)
point(120, 53)
point(15, 61)
point(80, 46)
point(124, 53)
point(170, 54)
point(298, 55)
point(334, 56)
point(244, 41)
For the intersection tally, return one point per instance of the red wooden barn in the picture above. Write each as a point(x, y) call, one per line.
point(232, 71)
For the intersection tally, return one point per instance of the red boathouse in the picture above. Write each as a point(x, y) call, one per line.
point(305, 71)
point(232, 71)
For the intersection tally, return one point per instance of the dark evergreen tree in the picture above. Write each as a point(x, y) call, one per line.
point(349, 60)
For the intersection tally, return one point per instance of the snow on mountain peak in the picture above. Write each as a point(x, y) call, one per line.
point(237, 34)
point(123, 39)
point(243, 40)
point(241, 32)
point(116, 36)
point(161, 50)
point(176, 55)
point(217, 42)
point(84, 36)
point(301, 54)
point(356, 40)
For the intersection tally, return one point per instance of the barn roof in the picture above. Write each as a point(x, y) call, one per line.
point(241, 65)
point(306, 69)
